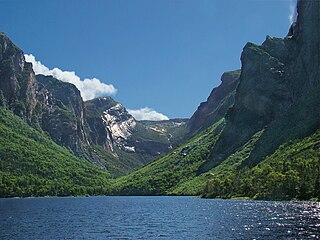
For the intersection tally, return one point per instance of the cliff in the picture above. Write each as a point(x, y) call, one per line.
point(17, 80)
point(44, 102)
point(278, 91)
point(60, 111)
point(219, 101)
point(113, 128)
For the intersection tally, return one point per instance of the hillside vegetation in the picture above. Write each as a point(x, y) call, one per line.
point(180, 165)
point(291, 172)
point(33, 165)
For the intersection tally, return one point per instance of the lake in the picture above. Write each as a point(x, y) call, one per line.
point(156, 218)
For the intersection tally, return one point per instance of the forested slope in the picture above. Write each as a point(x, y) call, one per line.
point(33, 165)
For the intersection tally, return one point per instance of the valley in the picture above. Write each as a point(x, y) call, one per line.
point(256, 136)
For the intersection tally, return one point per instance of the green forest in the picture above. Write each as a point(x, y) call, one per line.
point(292, 172)
point(33, 165)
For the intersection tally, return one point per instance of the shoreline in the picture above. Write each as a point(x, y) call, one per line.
point(191, 196)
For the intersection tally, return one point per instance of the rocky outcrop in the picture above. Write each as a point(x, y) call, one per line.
point(44, 102)
point(262, 94)
point(220, 100)
point(97, 132)
point(61, 112)
point(278, 91)
point(120, 124)
point(110, 124)
point(17, 80)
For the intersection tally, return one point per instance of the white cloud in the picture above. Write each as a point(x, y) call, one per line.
point(147, 114)
point(292, 11)
point(89, 88)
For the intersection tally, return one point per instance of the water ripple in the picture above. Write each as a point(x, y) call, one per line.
point(156, 218)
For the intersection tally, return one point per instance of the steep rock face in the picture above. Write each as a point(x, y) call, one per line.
point(17, 80)
point(44, 102)
point(61, 112)
point(131, 143)
point(307, 50)
point(120, 124)
point(262, 94)
point(98, 133)
point(217, 104)
point(302, 70)
point(119, 142)
point(278, 91)
point(110, 124)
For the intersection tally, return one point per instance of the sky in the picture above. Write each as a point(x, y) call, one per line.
point(159, 58)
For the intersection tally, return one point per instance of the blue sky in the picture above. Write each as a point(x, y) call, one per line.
point(162, 54)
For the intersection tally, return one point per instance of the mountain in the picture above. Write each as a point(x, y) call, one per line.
point(278, 91)
point(17, 80)
point(220, 100)
point(100, 130)
point(267, 144)
point(43, 102)
point(133, 143)
point(60, 112)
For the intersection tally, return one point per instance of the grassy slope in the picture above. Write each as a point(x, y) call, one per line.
point(33, 165)
point(180, 165)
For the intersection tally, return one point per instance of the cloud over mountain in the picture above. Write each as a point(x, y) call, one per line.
point(147, 114)
point(89, 88)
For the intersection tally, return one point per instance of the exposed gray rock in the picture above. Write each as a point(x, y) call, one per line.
point(220, 100)
point(17, 80)
point(61, 112)
point(111, 126)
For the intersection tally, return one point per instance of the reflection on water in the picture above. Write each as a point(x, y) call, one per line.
point(284, 220)
point(156, 218)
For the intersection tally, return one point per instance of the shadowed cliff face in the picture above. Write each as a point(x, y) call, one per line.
point(17, 80)
point(220, 100)
point(306, 49)
point(278, 91)
point(61, 112)
point(44, 102)
point(262, 94)
point(96, 130)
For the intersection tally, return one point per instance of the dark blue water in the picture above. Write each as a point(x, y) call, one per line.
point(156, 218)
